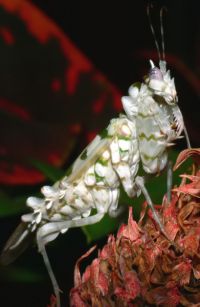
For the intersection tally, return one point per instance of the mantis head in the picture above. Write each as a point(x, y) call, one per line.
point(161, 83)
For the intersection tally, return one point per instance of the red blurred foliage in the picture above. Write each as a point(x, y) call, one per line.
point(144, 267)
point(56, 85)
point(7, 35)
point(98, 105)
point(52, 301)
point(14, 109)
point(45, 83)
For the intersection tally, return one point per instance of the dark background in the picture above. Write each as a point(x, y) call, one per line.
point(116, 37)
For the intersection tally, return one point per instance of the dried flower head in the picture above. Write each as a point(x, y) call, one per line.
point(141, 267)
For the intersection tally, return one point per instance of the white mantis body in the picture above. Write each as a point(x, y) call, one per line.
point(152, 121)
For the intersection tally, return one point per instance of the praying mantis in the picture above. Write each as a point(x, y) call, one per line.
point(151, 122)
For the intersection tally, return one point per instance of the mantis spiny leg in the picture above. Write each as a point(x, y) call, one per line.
point(55, 227)
point(140, 183)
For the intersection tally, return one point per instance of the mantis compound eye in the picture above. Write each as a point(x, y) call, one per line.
point(155, 74)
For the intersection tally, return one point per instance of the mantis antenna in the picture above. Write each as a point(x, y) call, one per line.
point(153, 31)
point(162, 32)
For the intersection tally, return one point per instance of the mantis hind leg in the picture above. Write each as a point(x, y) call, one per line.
point(169, 180)
point(187, 137)
point(140, 182)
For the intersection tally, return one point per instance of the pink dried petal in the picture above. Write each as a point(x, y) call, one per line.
point(185, 154)
point(192, 188)
point(190, 243)
point(172, 229)
point(132, 287)
point(181, 272)
point(170, 217)
point(52, 301)
point(131, 231)
point(109, 250)
point(173, 297)
point(86, 274)
point(94, 271)
point(188, 189)
point(184, 213)
point(75, 299)
point(151, 255)
point(103, 283)
point(77, 274)
point(98, 278)
point(161, 296)
point(196, 271)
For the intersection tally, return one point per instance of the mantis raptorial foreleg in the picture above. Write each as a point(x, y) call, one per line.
point(50, 271)
point(56, 227)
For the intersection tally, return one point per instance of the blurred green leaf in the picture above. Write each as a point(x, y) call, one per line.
point(11, 206)
point(157, 186)
point(106, 226)
point(51, 172)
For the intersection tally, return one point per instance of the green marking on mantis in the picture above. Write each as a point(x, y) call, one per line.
point(137, 84)
point(98, 178)
point(104, 134)
point(143, 136)
point(83, 156)
point(69, 170)
point(122, 151)
point(125, 138)
point(102, 161)
point(148, 157)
